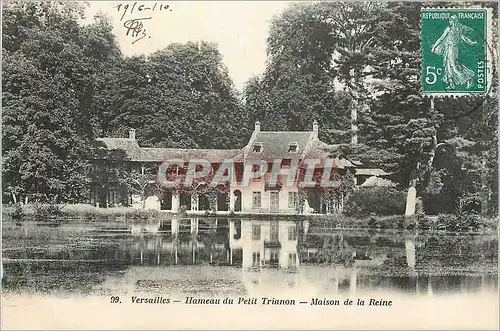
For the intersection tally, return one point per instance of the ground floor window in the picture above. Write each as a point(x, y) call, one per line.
point(237, 200)
point(274, 258)
point(237, 229)
point(292, 259)
point(113, 197)
point(166, 201)
point(292, 233)
point(257, 200)
point(256, 232)
point(256, 259)
point(222, 201)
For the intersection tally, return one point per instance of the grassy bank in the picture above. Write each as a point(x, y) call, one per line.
point(446, 222)
point(84, 212)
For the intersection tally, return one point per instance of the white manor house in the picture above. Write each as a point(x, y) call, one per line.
point(258, 197)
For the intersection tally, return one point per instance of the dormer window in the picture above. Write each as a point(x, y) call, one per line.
point(257, 148)
point(293, 148)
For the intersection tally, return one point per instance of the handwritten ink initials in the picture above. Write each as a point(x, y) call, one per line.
point(135, 26)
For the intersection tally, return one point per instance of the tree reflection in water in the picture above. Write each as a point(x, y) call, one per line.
point(77, 257)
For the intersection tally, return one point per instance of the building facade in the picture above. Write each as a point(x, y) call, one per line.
point(259, 195)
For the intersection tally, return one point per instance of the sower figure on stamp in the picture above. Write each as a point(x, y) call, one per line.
point(455, 73)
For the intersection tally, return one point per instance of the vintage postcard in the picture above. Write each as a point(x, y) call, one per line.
point(249, 165)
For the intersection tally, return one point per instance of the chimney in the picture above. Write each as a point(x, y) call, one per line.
point(131, 134)
point(257, 126)
point(315, 129)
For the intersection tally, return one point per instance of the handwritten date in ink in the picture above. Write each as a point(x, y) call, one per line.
point(135, 26)
point(129, 9)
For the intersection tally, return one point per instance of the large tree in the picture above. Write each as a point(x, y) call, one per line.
point(371, 51)
point(181, 96)
point(66, 83)
point(297, 86)
point(50, 67)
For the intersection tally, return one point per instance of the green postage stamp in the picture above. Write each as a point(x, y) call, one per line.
point(456, 51)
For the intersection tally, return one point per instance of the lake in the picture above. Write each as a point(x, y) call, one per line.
point(243, 258)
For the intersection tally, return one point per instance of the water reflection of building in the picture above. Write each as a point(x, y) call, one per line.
point(326, 248)
point(264, 243)
point(253, 244)
point(183, 241)
point(249, 243)
point(328, 262)
point(338, 261)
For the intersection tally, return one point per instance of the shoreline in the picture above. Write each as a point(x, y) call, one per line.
point(442, 223)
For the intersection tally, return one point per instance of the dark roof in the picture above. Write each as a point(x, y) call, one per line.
point(275, 144)
point(215, 155)
point(148, 154)
point(127, 145)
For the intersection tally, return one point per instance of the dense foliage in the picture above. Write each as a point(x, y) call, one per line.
point(65, 84)
point(181, 96)
point(355, 67)
point(51, 66)
point(377, 201)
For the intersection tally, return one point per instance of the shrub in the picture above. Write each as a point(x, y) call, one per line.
point(18, 212)
point(41, 210)
point(423, 222)
point(87, 211)
point(419, 206)
point(418, 220)
point(448, 222)
point(335, 220)
point(377, 200)
point(470, 221)
point(490, 223)
point(387, 222)
point(406, 222)
point(53, 209)
point(460, 222)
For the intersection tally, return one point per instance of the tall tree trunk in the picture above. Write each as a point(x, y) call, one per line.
point(354, 122)
point(352, 84)
point(411, 197)
point(422, 173)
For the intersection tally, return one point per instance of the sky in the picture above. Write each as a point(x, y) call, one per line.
point(240, 28)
